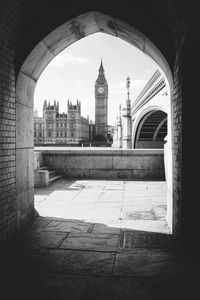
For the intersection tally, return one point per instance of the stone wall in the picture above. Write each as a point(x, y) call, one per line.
point(134, 164)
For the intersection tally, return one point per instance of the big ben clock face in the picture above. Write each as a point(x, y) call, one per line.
point(100, 90)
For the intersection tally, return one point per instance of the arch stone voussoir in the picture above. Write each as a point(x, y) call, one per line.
point(25, 89)
point(71, 31)
point(130, 34)
point(37, 60)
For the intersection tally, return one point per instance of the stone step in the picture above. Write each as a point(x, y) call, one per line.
point(43, 168)
point(52, 179)
point(52, 174)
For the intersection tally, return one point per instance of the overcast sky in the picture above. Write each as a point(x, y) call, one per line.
point(72, 74)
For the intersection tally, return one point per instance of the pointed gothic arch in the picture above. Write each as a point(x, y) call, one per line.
point(30, 71)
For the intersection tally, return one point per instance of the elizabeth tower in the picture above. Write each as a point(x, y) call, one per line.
point(101, 104)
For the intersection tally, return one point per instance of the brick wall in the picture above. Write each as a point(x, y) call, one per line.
point(8, 36)
point(180, 28)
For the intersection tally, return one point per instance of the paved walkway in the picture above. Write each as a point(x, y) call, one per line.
point(113, 204)
point(96, 240)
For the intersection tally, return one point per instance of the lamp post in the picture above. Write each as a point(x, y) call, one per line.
point(127, 118)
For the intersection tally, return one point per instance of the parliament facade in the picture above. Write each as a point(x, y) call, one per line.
point(55, 128)
point(71, 128)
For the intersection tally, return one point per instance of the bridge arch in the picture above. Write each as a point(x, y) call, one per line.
point(145, 112)
point(157, 120)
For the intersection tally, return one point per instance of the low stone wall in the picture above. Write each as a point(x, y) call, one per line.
point(137, 164)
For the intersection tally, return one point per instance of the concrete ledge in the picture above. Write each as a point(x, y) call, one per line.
point(98, 151)
point(137, 164)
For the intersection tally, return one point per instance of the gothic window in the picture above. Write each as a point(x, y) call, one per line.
point(49, 133)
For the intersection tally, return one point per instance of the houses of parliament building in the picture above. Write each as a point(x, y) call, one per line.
point(56, 128)
point(71, 128)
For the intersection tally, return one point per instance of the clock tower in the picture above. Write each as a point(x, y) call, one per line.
point(101, 104)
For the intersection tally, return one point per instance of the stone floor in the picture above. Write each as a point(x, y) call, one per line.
point(95, 239)
point(112, 204)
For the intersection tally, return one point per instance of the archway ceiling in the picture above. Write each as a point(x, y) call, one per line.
point(42, 17)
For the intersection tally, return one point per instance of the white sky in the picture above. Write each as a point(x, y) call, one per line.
point(72, 74)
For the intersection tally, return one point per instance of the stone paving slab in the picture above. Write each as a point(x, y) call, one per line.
point(110, 199)
point(91, 241)
point(114, 187)
point(120, 288)
point(47, 286)
point(138, 215)
point(39, 223)
point(109, 205)
point(26, 259)
point(111, 193)
point(80, 211)
point(160, 210)
point(59, 286)
point(152, 265)
point(145, 240)
point(39, 198)
point(68, 226)
point(86, 198)
point(113, 228)
point(62, 195)
point(105, 213)
point(52, 208)
point(159, 199)
point(43, 239)
point(137, 206)
point(146, 225)
point(77, 262)
point(136, 194)
point(140, 289)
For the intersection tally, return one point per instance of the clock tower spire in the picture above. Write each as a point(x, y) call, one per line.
point(101, 104)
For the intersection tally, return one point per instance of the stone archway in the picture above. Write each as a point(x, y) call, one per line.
point(33, 66)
